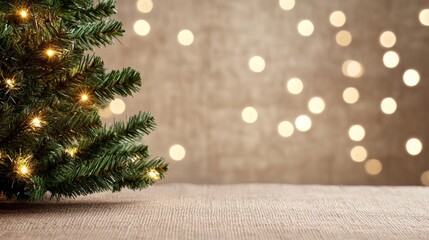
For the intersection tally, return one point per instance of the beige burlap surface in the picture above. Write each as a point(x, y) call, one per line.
point(247, 211)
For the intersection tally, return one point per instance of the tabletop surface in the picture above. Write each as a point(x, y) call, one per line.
point(242, 211)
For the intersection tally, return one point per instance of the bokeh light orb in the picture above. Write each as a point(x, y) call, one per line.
point(387, 39)
point(337, 18)
point(391, 59)
point(316, 105)
point(185, 37)
point(287, 4)
point(285, 129)
point(356, 133)
point(343, 38)
point(305, 28)
point(373, 167)
point(411, 77)
point(141, 27)
point(414, 146)
point(350, 95)
point(257, 64)
point(117, 106)
point(294, 86)
point(303, 123)
point(424, 17)
point(177, 152)
point(388, 105)
point(358, 153)
point(249, 115)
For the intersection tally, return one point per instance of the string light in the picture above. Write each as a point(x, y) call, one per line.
point(23, 170)
point(36, 122)
point(153, 174)
point(23, 13)
point(10, 83)
point(50, 52)
point(84, 97)
point(21, 166)
point(71, 151)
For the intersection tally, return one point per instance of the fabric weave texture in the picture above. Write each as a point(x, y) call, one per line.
point(242, 211)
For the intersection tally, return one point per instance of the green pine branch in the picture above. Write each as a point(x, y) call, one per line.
point(122, 83)
point(99, 33)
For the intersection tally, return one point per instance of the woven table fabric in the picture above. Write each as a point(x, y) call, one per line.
point(243, 211)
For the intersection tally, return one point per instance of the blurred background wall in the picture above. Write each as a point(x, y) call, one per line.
point(305, 91)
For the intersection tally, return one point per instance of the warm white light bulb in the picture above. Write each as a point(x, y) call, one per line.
point(50, 52)
point(23, 13)
point(153, 174)
point(36, 122)
point(10, 83)
point(23, 170)
point(71, 151)
point(84, 97)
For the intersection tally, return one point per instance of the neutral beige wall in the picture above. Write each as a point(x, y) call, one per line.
point(197, 92)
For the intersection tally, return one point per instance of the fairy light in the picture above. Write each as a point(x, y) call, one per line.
point(23, 13)
point(84, 97)
point(23, 170)
point(153, 174)
point(71, 151)
point(10, 83)
point(50, 52)
point(21, 165)
point(36, 122)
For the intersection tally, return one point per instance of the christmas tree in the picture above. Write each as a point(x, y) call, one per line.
point(52, 86)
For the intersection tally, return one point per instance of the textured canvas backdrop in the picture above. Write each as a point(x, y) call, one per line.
point(198, 92)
